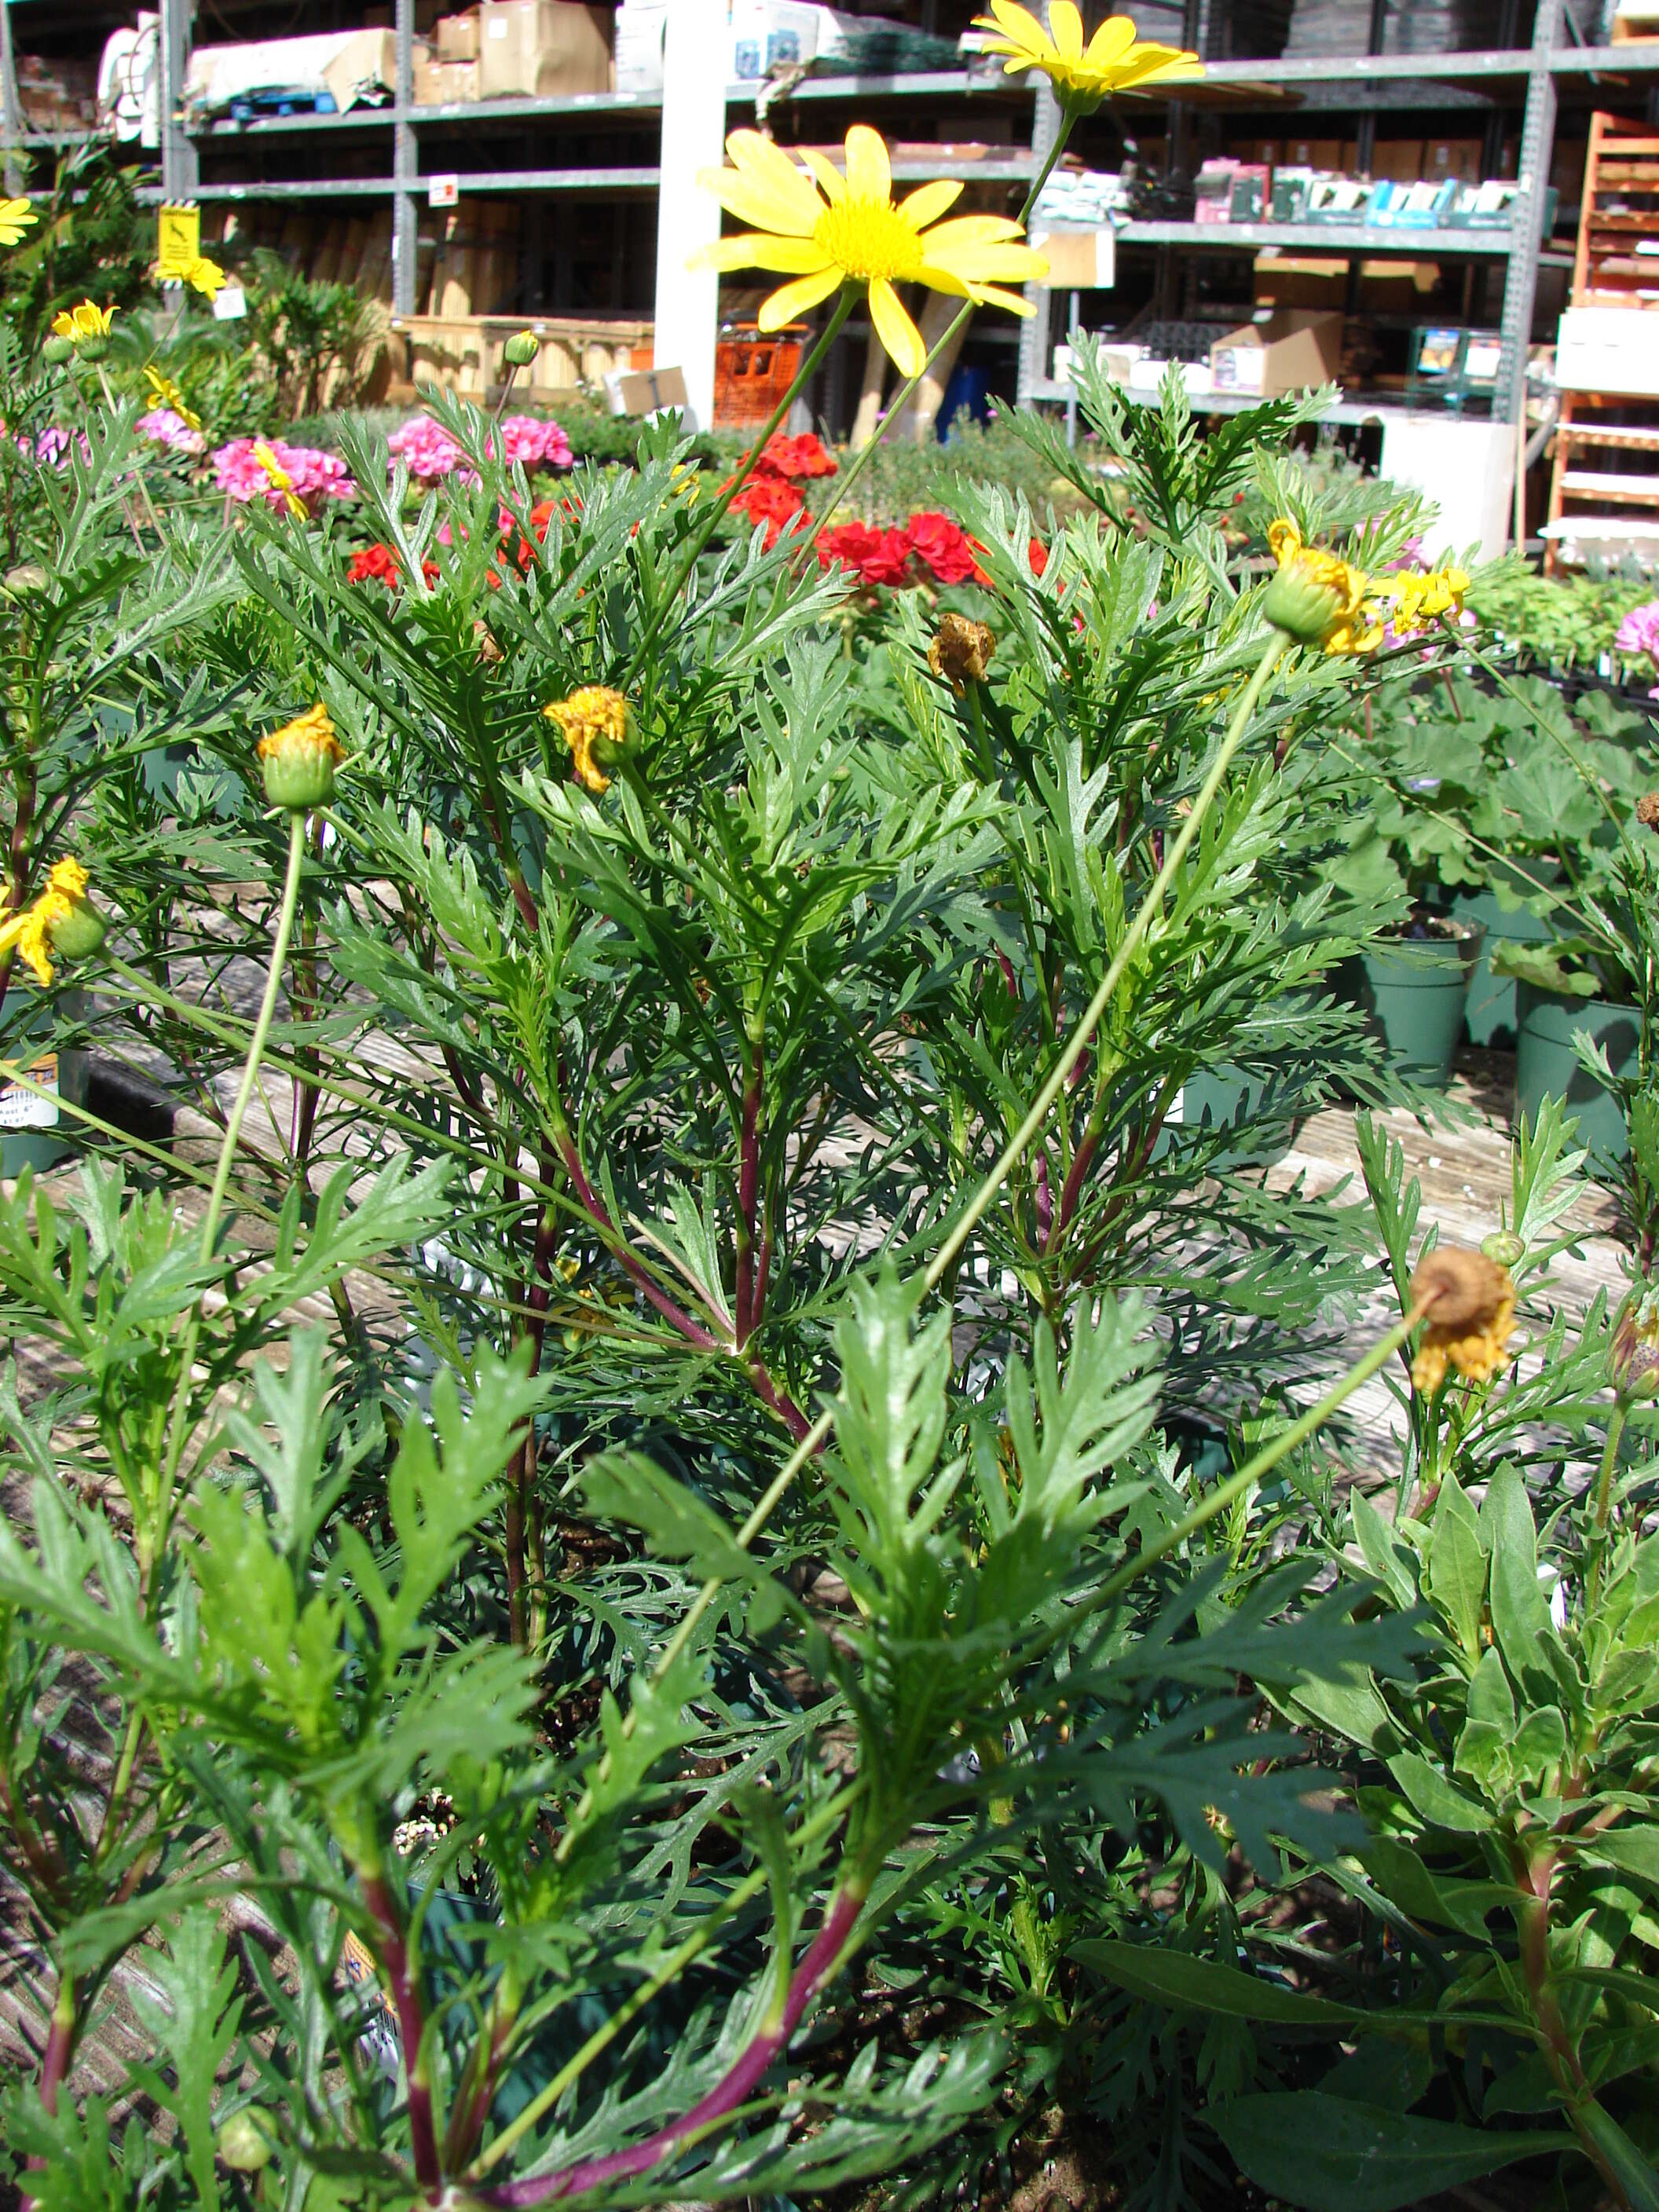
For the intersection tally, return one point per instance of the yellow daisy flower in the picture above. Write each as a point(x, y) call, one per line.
point(205, 276)
point(88, 320)
point(62, 921)
point(848, 230)
point(1114, 60)
point(164, 392)
point(16, 216)
point(279, 479)
point(596, 724)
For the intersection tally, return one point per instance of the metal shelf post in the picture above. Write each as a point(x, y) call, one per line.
point(1520, 279)
point(180, 171)
point(405, 168)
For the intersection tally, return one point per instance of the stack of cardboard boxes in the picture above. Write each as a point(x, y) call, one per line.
point(524, 49)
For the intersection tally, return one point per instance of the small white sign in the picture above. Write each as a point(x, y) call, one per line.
point(27, 1109)
point(230, 304)
point(443, 191)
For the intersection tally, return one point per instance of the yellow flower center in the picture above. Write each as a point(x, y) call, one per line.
point(867, 238)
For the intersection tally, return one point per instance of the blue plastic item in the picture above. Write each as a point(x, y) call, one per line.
point(970, 390)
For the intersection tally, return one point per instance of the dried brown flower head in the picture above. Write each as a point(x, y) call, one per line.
point(1470, 1303)
point(961, 652)
point(1647, 810)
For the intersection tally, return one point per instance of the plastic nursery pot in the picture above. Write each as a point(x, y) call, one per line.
point(1415, 995)
point(1228, 1097)
point(34, 1131)
point(1546, 1065)
point(1489, 1014)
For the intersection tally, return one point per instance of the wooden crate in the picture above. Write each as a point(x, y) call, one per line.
point(463, 353)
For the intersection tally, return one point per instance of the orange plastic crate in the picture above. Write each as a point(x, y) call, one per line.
point(753, 369)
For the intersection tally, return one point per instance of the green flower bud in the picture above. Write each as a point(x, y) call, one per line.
point(56, 351)
point(94, 349)
point(521, 348)
point(1504, 1247)
point(242, 2144)
point(299, 761)
point(1633, 1355)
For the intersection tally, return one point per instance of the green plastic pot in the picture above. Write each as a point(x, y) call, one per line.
point(1546, 1064)
point(34, 1132)
point(1415, 998)
point(1224, 1097)
point(1489, 1014)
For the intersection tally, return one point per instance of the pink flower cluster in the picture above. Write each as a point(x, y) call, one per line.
point(172, 430)
point(1639, 633)
point(51, 448)
point(313, 475)
point(430, 453)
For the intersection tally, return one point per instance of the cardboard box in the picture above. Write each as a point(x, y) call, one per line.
point(1078, 260)
point(1395, 288)
point(1313, 152)
point(1284, 280)
point(542, 49)
point(445, 84)
point(644, 391)
point(1454, 157)
point(365, 66)
point(1399, 161)
point(768, 35)
point(1289, 348)
point(458, 37)
point(641, 32)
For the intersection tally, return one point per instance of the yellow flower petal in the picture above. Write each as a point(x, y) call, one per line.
point(757, 204)
point(1016, 23)
point(1110, 42)
point(928, 202)
point(828, 176)
point(1066, 29)
point(968, 230)
point(897, 333)
point(769, 174)
point(790, 301)
point(869, 172)
point(753, 249)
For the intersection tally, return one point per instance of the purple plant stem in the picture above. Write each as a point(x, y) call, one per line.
point(809, 1977)
point(406, 2002)
point(748, 1198)
point(55, 2065)
point(594, 1206)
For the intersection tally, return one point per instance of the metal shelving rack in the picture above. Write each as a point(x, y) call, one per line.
point(1366, 84)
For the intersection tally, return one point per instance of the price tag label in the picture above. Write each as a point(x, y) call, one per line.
point(442, 192)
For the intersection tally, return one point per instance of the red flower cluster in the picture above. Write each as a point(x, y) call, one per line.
point(875, 556)
point(943, 547)
point(379, 564)
point(771, 501)
point(805, 456)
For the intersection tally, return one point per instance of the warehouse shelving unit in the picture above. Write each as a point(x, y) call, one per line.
point(391, 153)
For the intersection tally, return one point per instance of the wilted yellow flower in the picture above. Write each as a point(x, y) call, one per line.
point(61, 921)
point(299, 761)
point(164, 392)
point(1115, 60)
point(1470, 1303)
point(960, 651)
point(596, 723)
point(1317, 597)
point(16, 216)
point(848, 230)
point(79, 325)
point(279, 480)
